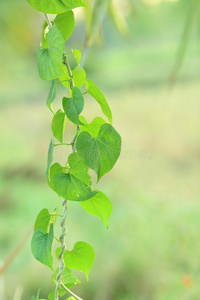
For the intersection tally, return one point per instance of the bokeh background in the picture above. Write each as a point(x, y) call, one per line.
point(151, 250)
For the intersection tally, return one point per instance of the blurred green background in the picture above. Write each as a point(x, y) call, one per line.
point(152, 248)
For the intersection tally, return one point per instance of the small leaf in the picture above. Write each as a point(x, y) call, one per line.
point(50, 156)
point(94, 91)
point(81, 257)
point(37, 297)
point(52, 94)
point(77, 55)
point(45, 219)
point(59, 124)
point(94, 127)
point(65, 23)
point(79, 76)
point(41, 245)
point(99, 206)
point(74, 106)
point(99, 153)
point(50, 59)
point(72, 183)
point(55, 6)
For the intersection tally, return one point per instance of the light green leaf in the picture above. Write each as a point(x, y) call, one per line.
point(52, 94)
point(79, 76)
point(77, 55)
point(65, 23)
point(93, 127)
point(45, 219)
point(95, 92)
point(74, 106)
point(41, 245)
point(59, 124)
point(44, 30)
point(72, 183)
point(81, 257)
point(50, 59)
point(55, 6)
point(99, 206)
point(100, 153)
point(50, 156)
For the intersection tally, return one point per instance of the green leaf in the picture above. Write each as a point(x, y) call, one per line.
point(37, 297)
point(81, 257)
point(50, 156)
point(50, 59)
point(94, 127)
point(55, 6)
point(95, 92)
point(65, 23)
point(99, 206)
point(52, 94)
point(100, 153)
point(79, 76)
point(77, 55)
point(41, 245)
point(45, 219)
point(44, 42)
point(72, 183)
point(59, 124)
point(74, 106)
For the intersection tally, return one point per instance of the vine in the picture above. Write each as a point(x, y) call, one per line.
point(95, 146)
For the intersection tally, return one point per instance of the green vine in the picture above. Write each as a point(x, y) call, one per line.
point(95, 146)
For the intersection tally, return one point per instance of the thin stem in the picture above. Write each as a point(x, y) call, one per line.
point(63, 247)
point(48, 21)
point(66, 289)
point(73, 143)
point(63, 144)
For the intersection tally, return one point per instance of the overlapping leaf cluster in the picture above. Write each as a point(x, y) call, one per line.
point(95, 145)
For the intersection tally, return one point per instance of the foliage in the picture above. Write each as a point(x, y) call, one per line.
point(95, 146)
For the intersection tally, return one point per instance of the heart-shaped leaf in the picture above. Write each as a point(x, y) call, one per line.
point(55, 6)
point(74, 106)
point(100, 153)
point(45, 219)
point(59, 124)
point(41, 244)
point(65, 23)
point(81, 257)
point(50, 59)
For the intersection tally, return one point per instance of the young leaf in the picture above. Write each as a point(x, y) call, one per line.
point(50, 156)
point(75, 184)
point(74, 106)
point(55, 6)
point(81, 257)
point(50, 59)
point(59, 124)
point(77, 55)
point(100, 153)
point(45, 219)
point(65, 23)
point(41, 244)
point(79, 76)
point(93, 127)
point(95, 92)
point(52, 94)
point(99, 206)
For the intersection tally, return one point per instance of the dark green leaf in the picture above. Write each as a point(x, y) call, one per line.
point(50, 59)
point(99, 206)
point(52, 94)
point(59, 124)
point(79, 76)
point(50, 156)
point(74, 106)
point(100, 153)
point(77, 55)
point(65, 23)
point(81, 257)
point(41, 244)
point(93, 90)
point(45, 219)
point(55, 6)
point(74, 183)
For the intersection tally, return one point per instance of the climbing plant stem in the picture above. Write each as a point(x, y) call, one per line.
point(66, 289)
point(48, 21)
